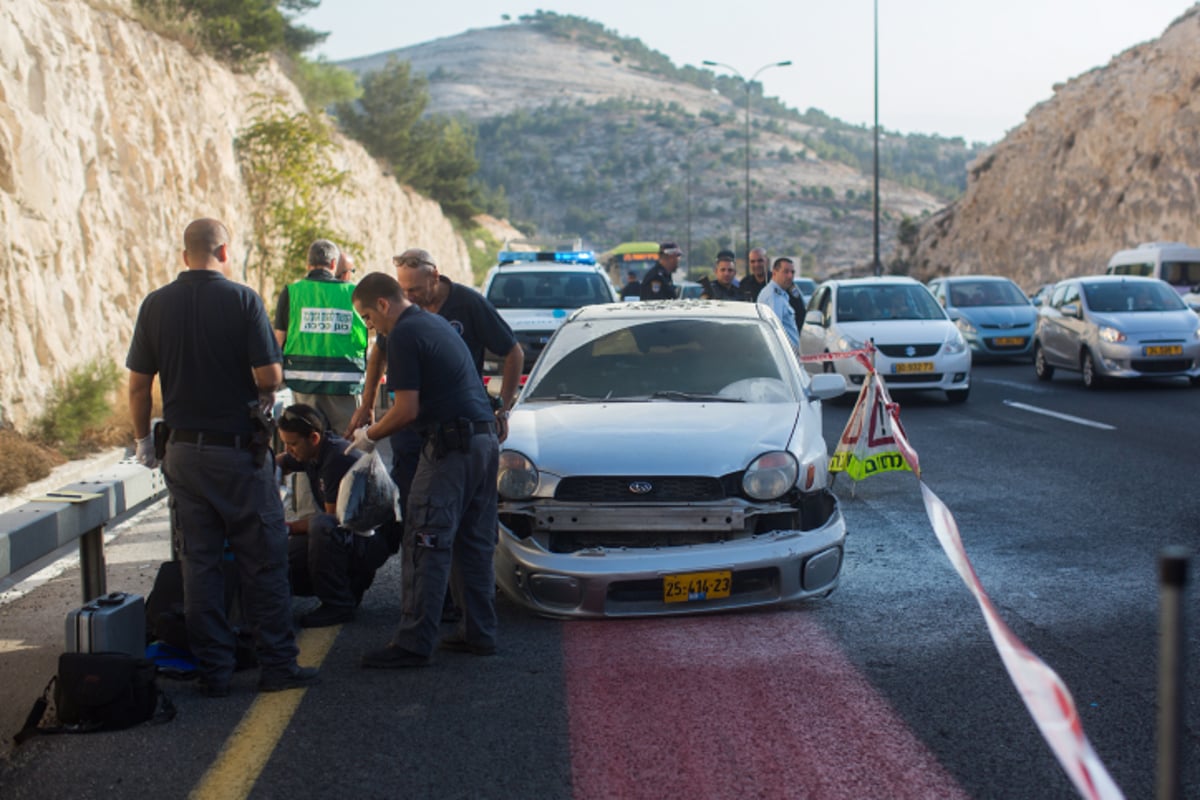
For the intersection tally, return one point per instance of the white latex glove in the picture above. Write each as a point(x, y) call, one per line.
point(266, 402)
point(145, 452)
point(361, 442)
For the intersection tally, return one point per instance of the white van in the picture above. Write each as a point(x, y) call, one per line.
point(1175, 263)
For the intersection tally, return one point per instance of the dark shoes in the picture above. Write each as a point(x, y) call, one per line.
point(393, 657)
point(323, 616)
point(298, 678)
point(455, 643)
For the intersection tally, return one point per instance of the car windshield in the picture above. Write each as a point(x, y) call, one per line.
point(1113, 296)
point(806, 285)
point(968, 294)
point(548, 290)
point(867, 303)
point(672, 359)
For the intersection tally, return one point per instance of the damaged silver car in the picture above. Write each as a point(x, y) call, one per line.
point(667, 457)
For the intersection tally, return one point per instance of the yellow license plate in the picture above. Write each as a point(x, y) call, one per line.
point(1164, 350)
point(1006, 341)
point(914, 366)
point(697, 586)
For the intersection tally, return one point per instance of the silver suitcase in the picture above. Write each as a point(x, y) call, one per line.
point(112, 623)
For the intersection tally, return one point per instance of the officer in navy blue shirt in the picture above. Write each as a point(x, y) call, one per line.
point(324, 559)
point(658, 283)
point(209, 341)
point(451, 512)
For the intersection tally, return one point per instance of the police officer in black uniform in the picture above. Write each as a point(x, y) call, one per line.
point(211, 344)
point(324, 559)
point(451, 511)
point(724, 287)
point(657, 284)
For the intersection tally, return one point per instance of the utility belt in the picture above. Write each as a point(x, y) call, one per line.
point(257, 442)
point(213, 438)
point(455, 435)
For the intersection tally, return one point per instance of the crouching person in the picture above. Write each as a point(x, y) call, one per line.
point(326, 560)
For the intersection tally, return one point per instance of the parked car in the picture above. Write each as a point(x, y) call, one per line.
point(1041, 294)
point(667, 458)
point(806, 286)
point(1116, 326)
point(991, 312)
point(917, 346)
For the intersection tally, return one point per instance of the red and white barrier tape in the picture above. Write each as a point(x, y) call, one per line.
point(1045, 695)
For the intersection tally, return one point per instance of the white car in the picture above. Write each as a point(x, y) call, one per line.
point(916, 344)
point(667, 457)
point(535, 291)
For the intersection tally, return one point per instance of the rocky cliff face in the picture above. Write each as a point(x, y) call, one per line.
point(111, 140)
point(1111, 160)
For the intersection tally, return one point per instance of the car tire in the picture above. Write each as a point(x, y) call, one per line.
point(1087, 366)
point(1042, 369)
point(958, 395)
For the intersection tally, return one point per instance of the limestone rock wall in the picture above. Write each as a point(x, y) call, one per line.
point(1111, 160)
point(112, 139)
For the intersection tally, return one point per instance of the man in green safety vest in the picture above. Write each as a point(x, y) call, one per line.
point(324, 343)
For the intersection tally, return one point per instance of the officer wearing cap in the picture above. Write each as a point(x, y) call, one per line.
point(725, 287)
point(657, 285)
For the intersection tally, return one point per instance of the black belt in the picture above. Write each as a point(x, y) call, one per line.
point(483, 426)
point(212, 438)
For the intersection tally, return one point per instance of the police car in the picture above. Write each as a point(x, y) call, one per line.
point(535, 292)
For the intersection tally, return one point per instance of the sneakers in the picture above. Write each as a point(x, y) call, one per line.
point(323, 616)
point(393, 657)
point(298, 678)
point(455, 643)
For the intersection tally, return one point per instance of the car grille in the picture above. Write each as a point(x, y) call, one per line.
point(916, 377)
point(616, 489)
point(1161, 365)
point(533, 343)
point(901, 350)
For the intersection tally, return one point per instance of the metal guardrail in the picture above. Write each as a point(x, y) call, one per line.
point(80, 511)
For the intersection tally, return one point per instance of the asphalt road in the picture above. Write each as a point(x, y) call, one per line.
point(890, 687)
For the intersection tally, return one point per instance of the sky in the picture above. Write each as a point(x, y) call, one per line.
point(956, 68)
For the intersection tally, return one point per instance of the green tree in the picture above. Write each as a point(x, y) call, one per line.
point(289, 182)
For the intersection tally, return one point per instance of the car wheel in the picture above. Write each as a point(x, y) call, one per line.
point(1043, 370)
point(1091, 378)
point(958, 395)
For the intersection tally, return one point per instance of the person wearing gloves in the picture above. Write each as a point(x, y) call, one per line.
point(209, 341)
point(451, 512)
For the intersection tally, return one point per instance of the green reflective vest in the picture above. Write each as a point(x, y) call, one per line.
point(326, 344)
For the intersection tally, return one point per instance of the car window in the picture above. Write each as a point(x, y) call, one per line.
point(621, 359)
point(968, 294)
point(1113, 297)
point(887, 301)
point(548, 290)
point(1181, 273)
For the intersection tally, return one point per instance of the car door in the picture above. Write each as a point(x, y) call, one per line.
point(813, 335)
point(1057, 329)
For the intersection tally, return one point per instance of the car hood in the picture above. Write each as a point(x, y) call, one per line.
point(534, 318)
point(899, 331)
point(1002, 316)
point(648, 438)
point(1177, 323)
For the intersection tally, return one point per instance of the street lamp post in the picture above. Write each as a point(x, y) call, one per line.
point(877, 265)
point(746, 84)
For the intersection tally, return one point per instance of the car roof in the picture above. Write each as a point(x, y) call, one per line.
point(1115, 279)
point(881, 280)
point(690, 309)
point(956, 278)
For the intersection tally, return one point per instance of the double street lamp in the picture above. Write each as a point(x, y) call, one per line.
point(747, 84)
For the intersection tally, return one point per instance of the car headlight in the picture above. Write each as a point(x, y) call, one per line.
point(517, 477)
point(771, 475)
point(845, 343)
point(954, 343)
point(1108, 334)
point(965, 326)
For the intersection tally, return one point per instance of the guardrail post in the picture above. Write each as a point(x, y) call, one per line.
point(91, 563)
point(1172, 570)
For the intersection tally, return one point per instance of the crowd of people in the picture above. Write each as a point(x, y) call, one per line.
point(219, 360)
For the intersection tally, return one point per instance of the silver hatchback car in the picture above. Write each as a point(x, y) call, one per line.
point(665, 458)
point(1116, 326)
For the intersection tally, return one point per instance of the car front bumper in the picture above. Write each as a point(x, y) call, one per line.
point(766, 569)
point(1128, 360)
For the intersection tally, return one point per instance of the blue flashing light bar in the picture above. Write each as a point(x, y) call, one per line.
point(558, 257)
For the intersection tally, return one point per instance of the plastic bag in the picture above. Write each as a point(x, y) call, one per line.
point(367, 497)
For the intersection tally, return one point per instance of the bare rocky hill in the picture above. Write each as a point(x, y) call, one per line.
point(1111, 160)
point(798, 196)
point(112, 139)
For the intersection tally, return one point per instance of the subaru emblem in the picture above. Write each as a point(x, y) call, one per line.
point(641, 487)
point(910, 351)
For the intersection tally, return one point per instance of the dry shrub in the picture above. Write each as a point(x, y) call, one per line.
point(24, 461)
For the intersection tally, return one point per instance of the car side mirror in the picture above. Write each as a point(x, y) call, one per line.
point(1071, 310)
point(814, 317)
point(827, 385)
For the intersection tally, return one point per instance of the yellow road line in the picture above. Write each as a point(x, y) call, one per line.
point(241, 760)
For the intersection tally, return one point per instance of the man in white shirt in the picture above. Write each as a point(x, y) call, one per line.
point(776, 295)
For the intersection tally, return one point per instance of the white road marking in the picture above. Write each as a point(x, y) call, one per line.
point(1024, 387)
point(1067, 417)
